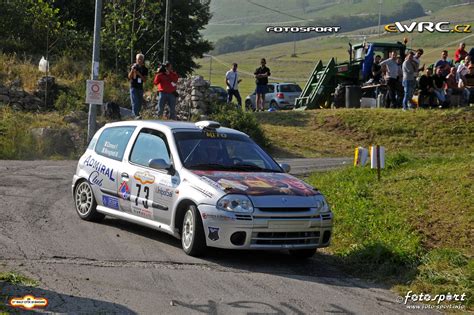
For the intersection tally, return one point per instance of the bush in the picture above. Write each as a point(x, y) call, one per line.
point(231, 117)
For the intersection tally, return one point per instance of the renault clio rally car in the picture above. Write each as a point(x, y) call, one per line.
point(203, 183)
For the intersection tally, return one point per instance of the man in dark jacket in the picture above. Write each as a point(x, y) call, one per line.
point(137, 76)
point(426, 86)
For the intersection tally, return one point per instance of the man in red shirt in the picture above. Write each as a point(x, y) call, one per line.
point(165, 81)
point(460, 53)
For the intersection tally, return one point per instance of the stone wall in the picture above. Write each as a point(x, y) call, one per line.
point(194, 98)
point(15, 97)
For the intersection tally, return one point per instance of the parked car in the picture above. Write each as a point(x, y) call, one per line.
point(208, 185)
point(279, 96)
point(218, 93)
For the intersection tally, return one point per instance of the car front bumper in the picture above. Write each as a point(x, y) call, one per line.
point(263, 230)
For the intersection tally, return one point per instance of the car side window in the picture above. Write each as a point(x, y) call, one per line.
point(113, 141)
point(271, 88)
point(150, 144)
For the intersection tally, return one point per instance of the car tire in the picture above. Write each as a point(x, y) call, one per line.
point(303, 253)
point(84, 201)
point(193, 238)
point(274, 104)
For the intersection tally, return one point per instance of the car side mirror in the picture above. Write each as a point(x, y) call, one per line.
point(160, 164)
point(286, 167)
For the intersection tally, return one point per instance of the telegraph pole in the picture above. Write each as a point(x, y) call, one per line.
point(91, 128)
point(167, 31)
point(380, 14)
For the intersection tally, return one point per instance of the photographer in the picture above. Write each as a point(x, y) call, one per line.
point(165, 81)
point(137, 76)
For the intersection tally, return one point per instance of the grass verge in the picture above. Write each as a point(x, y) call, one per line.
point(413, 229)
point(321, 133)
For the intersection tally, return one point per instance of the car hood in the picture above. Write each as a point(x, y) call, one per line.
point(256, 184)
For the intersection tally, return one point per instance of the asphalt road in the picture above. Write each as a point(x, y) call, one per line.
point(119, 267)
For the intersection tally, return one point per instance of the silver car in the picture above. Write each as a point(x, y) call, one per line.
point(207, 185)
point(278, 96)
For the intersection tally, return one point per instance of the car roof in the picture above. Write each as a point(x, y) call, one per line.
point(168, 124)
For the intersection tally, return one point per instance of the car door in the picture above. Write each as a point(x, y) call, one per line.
point(105, 162)
point(149, 193)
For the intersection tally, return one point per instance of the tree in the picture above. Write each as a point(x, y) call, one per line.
point(132, 26)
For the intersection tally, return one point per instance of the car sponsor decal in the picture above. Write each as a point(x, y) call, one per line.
point(110, 202)
point(211, 182)
point(124, 191)
point(100, 168)
point(94, 179)
point(28, 302)
point(213, 134)
point(142, 212)
point(228, 184)
point(144, 177)
point(213, 233)
point(164, 192)
point(207, 216)
point(256, 183)
point(202, 191)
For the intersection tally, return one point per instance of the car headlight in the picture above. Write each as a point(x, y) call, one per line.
point(235, 203)
point(321, 205)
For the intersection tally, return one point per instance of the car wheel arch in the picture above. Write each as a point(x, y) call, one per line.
point(180, 212)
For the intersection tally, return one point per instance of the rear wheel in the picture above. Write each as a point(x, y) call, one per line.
point(248, 105)
point(303, 253)
point(84, 200)
point(192, 233)
point(274, 104)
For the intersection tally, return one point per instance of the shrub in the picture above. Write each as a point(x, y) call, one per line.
point(235, 118)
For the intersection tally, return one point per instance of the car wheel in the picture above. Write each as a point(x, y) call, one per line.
point(192, 233)
point(303, 253)
point(274, 104)
point(84, 200)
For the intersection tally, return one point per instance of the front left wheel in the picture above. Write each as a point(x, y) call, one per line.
point(193, 238)
point(86, 206)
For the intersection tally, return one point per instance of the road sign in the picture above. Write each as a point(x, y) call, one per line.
point(95, 92)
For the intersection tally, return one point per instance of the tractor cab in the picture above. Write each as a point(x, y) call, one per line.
point(365, 53)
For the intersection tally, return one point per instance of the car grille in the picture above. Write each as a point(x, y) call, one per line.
point(243, 217)
point(285, 238)
point(284, 209)
point(326, 216)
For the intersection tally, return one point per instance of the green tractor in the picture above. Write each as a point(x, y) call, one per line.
point(326, 84)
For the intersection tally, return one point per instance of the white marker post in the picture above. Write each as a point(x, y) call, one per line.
point(377, 158)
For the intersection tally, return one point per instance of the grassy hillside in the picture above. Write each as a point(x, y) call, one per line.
point(232, 18)
point(319, 133)
point(287, 68)
point(412, 229)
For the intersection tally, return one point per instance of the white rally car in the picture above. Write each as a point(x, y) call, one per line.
point(203, 183)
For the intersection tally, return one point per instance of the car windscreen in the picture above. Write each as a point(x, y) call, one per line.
point(212, 150)
point(290, 88)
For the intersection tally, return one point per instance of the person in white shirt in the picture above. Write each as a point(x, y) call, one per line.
point(392, 72)
point(232, 82)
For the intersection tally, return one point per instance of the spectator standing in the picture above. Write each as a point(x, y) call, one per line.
point(409, 69)
point(439, 80)
point(137, 76)
point(232, 81)
point(444, 64)
point(460, 53)
point(391, 69)
point(463, 67)
point(452, 87)
point(376, 70)
point(469, 83)
point(165, 81)
point(417, 59)
point(261, 79)
point(426, 86)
